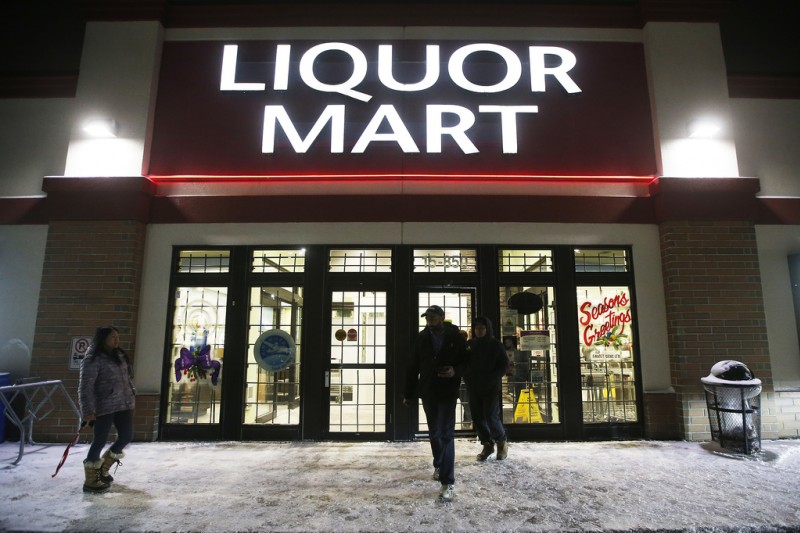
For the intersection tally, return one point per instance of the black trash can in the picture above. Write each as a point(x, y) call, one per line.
point(733, 400)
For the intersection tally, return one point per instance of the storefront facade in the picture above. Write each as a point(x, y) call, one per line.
point(281, 202)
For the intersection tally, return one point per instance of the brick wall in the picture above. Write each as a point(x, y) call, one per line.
point(661, 416)
point(715, 311)
point(785, 409)
point(91, 277)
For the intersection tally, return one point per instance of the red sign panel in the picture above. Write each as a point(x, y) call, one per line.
point(405, 109)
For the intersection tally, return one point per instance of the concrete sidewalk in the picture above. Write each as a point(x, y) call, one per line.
point(651, 486)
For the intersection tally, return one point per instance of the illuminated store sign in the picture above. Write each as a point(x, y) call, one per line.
point(409, 108)
point(455, 68)
point(275, 115)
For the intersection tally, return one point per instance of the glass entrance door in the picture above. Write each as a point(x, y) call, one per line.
point(459, 310)
point(272, 385)
point(356, 375)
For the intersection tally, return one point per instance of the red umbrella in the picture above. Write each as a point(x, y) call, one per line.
point(71, 442)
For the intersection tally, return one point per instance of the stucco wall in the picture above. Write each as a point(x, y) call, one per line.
point(21, 262)
point(767, 135)
point(34, 137)
point(775, 244)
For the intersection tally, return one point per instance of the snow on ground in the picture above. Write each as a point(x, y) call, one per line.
point(379, 486)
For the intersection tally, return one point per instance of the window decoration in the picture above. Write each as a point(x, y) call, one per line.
point(196, 355)
point(614, 338)
point(608, 374)
point(197, 364)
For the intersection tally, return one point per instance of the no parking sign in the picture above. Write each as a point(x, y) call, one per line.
point(79, 347)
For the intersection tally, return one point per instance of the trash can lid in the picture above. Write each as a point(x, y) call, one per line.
point(731, 373)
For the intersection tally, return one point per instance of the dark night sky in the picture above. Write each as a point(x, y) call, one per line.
point(45, 37)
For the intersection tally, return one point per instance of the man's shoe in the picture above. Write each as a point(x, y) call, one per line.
point(502, 449)
point(447, 493)
point(436, 474)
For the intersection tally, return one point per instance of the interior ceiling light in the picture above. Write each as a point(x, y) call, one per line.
point(102, 128)
point(703, 129)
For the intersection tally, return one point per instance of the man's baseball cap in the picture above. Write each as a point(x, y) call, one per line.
point(433, 310)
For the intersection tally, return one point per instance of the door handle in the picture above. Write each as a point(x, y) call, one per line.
point(327, 379)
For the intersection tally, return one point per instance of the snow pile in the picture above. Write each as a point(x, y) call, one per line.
point(348, 487)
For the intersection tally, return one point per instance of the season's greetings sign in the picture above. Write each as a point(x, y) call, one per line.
point(606, 321)
point(407, 108)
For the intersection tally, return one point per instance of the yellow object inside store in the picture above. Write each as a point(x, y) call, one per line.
point(527, 410)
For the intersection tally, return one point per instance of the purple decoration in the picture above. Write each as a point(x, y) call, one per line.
point(197, 363)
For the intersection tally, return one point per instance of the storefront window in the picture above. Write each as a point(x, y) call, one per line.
point(360, 261)
point(356, 373)
point(528, 331)
point(272, 393)
point(526, 260)
point(445, 261)
point(196, 355)
point(358, 344)
point(597, 260)
point(279, 261)
point(203, 261)
point(607, 354)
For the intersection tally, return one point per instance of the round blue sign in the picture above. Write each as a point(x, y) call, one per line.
point(274, 350)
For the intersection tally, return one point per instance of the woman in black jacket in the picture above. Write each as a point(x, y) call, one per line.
point(488, 363)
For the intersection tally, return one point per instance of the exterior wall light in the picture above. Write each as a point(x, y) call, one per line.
point(103, 128)
point(703, 129)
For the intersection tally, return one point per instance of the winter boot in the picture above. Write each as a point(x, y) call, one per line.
point(488, 449)
point(109, 459)
point(502, 449)
point(93, 482)
point(447, 494)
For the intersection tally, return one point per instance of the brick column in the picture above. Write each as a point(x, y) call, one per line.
point(715, 311)
point(91, 277)
point(661, 415)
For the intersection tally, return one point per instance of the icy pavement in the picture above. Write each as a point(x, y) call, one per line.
point(651, 486)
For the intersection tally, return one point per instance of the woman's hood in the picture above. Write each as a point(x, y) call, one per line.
point(486, 322)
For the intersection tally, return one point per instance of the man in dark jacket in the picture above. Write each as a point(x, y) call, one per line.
point(434, 376)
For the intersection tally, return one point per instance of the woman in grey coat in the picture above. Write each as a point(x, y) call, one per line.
point(107, 397)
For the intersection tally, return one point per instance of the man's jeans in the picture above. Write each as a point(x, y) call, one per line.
point(441, 417)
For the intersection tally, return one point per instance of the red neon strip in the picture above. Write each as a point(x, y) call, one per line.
point(395, 177)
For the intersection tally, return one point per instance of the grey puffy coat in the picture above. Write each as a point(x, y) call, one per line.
point(106, 385)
